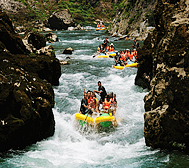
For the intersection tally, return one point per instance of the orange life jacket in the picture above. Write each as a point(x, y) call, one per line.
point(130, 56)
point(112, 49)
point(107, 104)
point(102, 25)
point(125, 57)
point(121, 58)
point(98, 25)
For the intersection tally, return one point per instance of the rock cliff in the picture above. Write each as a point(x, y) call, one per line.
point(164, 69)
point(134, 19)
point(26, 94)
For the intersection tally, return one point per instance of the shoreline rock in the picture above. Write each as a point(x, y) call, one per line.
point(163, 68)
point(26, 93)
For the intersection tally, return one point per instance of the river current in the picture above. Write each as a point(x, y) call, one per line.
point(76, 147)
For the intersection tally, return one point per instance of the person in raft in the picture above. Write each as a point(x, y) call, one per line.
point(107, 104)
point(136, 44)
point(84, 104)
point(106, 43)
point(102, 91)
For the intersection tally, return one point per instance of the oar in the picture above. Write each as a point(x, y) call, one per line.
point(94, 56)
point(87, 115)
point(84, 91)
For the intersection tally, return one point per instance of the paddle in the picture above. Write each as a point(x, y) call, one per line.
point(87, 114)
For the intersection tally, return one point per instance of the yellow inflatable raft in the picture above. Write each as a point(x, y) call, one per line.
point(105, 120)
point(100, 28)
point(103, 56)
point(119, 67)
point(85, 118)
point(128, 65)
point(112, 54)
point(132, 65)
point(108, 55)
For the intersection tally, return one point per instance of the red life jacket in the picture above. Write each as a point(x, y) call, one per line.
point(91, 102)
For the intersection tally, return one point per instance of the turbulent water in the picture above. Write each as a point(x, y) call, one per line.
point(73, 146)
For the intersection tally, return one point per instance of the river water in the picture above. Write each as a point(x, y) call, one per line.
point(73, 146)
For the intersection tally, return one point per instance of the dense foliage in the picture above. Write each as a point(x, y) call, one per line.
point(81, 10)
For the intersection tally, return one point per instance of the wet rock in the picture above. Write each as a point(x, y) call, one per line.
point(123, 37)
point(47, 50)
point(51, 37)
point(33, 41)
point(68, 51)
point(62, 62)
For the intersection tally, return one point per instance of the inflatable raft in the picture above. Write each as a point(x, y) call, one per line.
point(130, 64)
point(100, 29)
point(110, 55)
point(105, 120)
point(102, 55)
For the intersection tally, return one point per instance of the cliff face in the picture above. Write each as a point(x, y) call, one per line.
point(134, 18)
point(26, 94)
point(164, 69)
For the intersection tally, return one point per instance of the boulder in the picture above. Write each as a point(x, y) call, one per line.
point(47, 50)
point(61, 20)
point(33, 41)
point(68, 51)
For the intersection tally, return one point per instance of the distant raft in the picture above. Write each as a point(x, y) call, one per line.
point(100, 29)
point(105, 120)
point(130, 64)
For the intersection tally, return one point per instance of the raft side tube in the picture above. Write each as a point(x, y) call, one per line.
point(132, 65)
point(85, 118)
point(104, 118)
point(119, 67)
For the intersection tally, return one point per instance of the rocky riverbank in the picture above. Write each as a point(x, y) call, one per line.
point(164, 69)
point(26, 93)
